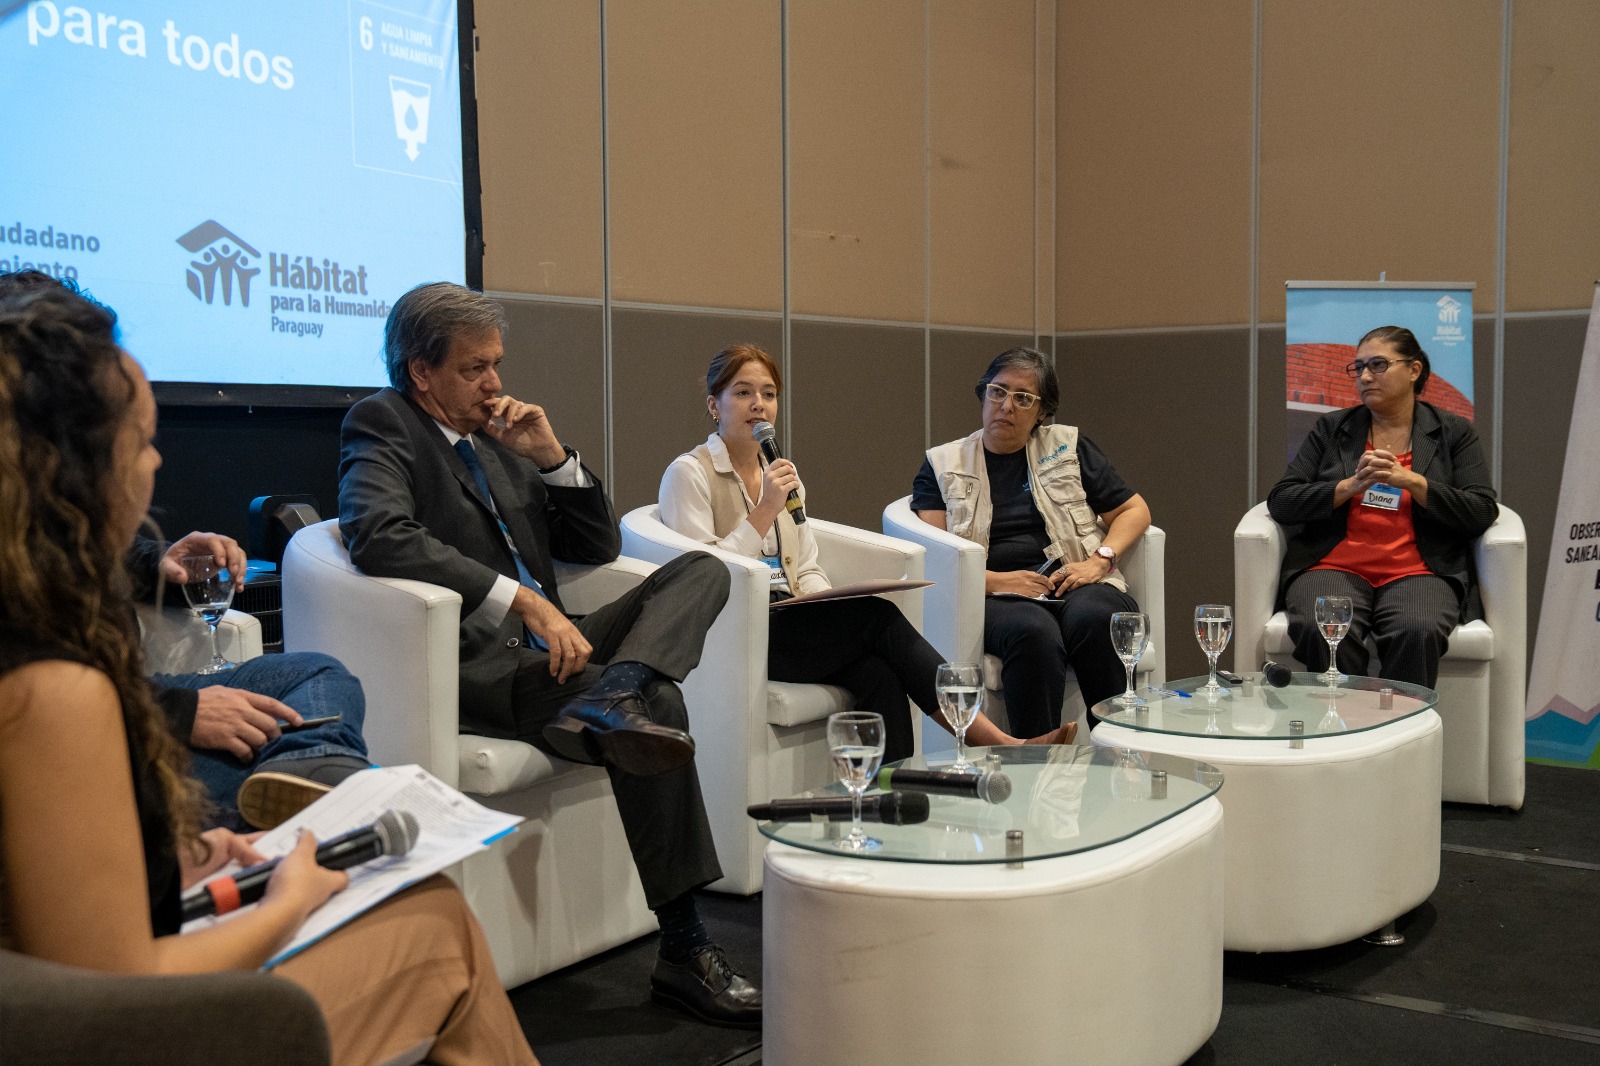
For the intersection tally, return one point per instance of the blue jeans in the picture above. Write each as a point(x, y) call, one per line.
point(314, 684)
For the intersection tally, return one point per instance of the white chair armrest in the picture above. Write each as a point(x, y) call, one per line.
point(849, 554)
point(1501, 555)
point(1258, 548)
point(585, 589)
point(952, 608)
point(400, 638)
point(239, 636)
point(1144, 567)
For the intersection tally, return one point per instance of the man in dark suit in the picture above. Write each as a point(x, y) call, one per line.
point(442, 479)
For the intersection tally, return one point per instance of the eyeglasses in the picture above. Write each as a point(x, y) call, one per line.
point(1377, 365)
point(998, 393)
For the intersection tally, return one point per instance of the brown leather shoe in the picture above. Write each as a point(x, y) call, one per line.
point(1060, 735)
point(613, 729)
point(709, 988)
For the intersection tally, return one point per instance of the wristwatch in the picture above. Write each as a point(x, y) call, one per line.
point(1107, 553)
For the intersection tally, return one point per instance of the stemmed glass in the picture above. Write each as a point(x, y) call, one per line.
point(855, 740)
point(960, 690)
point(1213, 625)
point(1130, 633)
point(209, 590)
point(1333, 619)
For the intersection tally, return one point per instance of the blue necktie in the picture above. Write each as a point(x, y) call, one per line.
point(469, 456)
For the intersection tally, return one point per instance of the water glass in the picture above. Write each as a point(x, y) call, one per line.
point(1333, 621)
point(1213, 625)
point(1130, 634)
point(855, 740)
point(960, 690)
point(209, 589)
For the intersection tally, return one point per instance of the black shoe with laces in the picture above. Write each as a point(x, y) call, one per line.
point(709, 988)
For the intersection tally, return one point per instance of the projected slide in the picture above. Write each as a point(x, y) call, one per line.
point(249, 185)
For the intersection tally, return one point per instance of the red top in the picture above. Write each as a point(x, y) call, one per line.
point(1379, 545)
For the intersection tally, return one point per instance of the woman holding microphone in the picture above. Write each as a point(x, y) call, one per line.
point(722, 494)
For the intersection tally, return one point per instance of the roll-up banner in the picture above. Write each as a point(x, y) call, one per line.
point(1325, 319)
point(1564, 686)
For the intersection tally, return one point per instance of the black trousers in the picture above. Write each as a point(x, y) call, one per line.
point(1408, 622)
point(866, 647)
point(1037, 640)
point(662, 623)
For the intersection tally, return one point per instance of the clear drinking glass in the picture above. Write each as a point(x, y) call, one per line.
point(209, 590)
point(1333, 620)
point(1213, 625)
point(855, 740)
point(1130, 634)
point(960, 690)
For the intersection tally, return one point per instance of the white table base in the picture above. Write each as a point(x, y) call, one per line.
point(1110, 956)
point(1327, 842)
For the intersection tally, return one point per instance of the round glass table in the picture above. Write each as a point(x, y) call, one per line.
point(1332, 799)
point(1116, 900)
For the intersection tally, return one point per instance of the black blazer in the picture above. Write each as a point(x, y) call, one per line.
point(1444, 449)
point(409, 508)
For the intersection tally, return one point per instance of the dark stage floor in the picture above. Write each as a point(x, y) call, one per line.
point(1501, 965)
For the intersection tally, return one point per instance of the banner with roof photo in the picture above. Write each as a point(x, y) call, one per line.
point(1325, 319)
point(1564, 685)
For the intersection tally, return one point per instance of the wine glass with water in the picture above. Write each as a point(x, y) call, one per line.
point(1333, 621)
point(960, 690)
point(209, 590)
point(1130, 633)
point(1213, 625)
point(855, 740)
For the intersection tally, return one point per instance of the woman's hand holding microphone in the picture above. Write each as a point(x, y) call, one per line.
point(778, 479)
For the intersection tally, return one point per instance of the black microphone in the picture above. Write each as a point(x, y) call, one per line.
point(994, 786)
point(1276, 674)
point(393, 833)
point(766, 438)
point(891, 808)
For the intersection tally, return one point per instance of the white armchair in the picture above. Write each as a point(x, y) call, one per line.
point(756, 739)
point(563, 886)
point(1482, 677)
point(953, 606)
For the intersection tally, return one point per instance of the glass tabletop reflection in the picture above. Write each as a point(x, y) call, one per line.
point(1065, 799)
point(1257, 711)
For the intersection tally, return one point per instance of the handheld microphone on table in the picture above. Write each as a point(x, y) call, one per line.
point(891, 808)
point(393, 833)
point(1276, 674)
point(767, 440)
point(993, 786)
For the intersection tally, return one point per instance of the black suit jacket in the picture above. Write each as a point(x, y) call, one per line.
point(1444, 449)
point(408, 507)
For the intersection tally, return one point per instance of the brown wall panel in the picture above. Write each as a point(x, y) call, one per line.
point(857, 429)
point(1169, 411)
point(1380, 128)
point(694, 130)
point(539, 145)
point(1553, 189)
point(553, 359)
point(1542, 360)
point(981, 92)
point(659, 387)
point(1153, 163)
point(856, 174)
point(959, 358)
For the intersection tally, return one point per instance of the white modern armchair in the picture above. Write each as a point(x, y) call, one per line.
point(953, 604)
point(757, 739)
point(1482, 677)
point(563, 886)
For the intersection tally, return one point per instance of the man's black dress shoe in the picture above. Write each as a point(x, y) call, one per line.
point(612, 728)
point(708, 988)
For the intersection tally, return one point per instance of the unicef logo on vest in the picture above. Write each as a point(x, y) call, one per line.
point(221, 264)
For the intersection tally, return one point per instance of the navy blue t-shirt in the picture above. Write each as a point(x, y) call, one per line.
point(1017, 536)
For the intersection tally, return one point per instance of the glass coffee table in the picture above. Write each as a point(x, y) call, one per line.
point(1112, 895)
point(1332, 799)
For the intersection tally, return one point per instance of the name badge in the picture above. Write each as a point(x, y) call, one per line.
point(1383, 497)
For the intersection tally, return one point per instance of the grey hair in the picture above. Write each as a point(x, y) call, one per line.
point(425, 320)
point(1034, 362)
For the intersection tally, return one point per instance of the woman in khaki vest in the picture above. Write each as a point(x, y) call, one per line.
point(721, 494)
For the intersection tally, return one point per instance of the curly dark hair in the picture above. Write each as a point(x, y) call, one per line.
point(64, 395)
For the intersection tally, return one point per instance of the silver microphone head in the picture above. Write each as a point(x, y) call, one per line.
point(994, 786)
point(397, 831)
point(763, 432)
